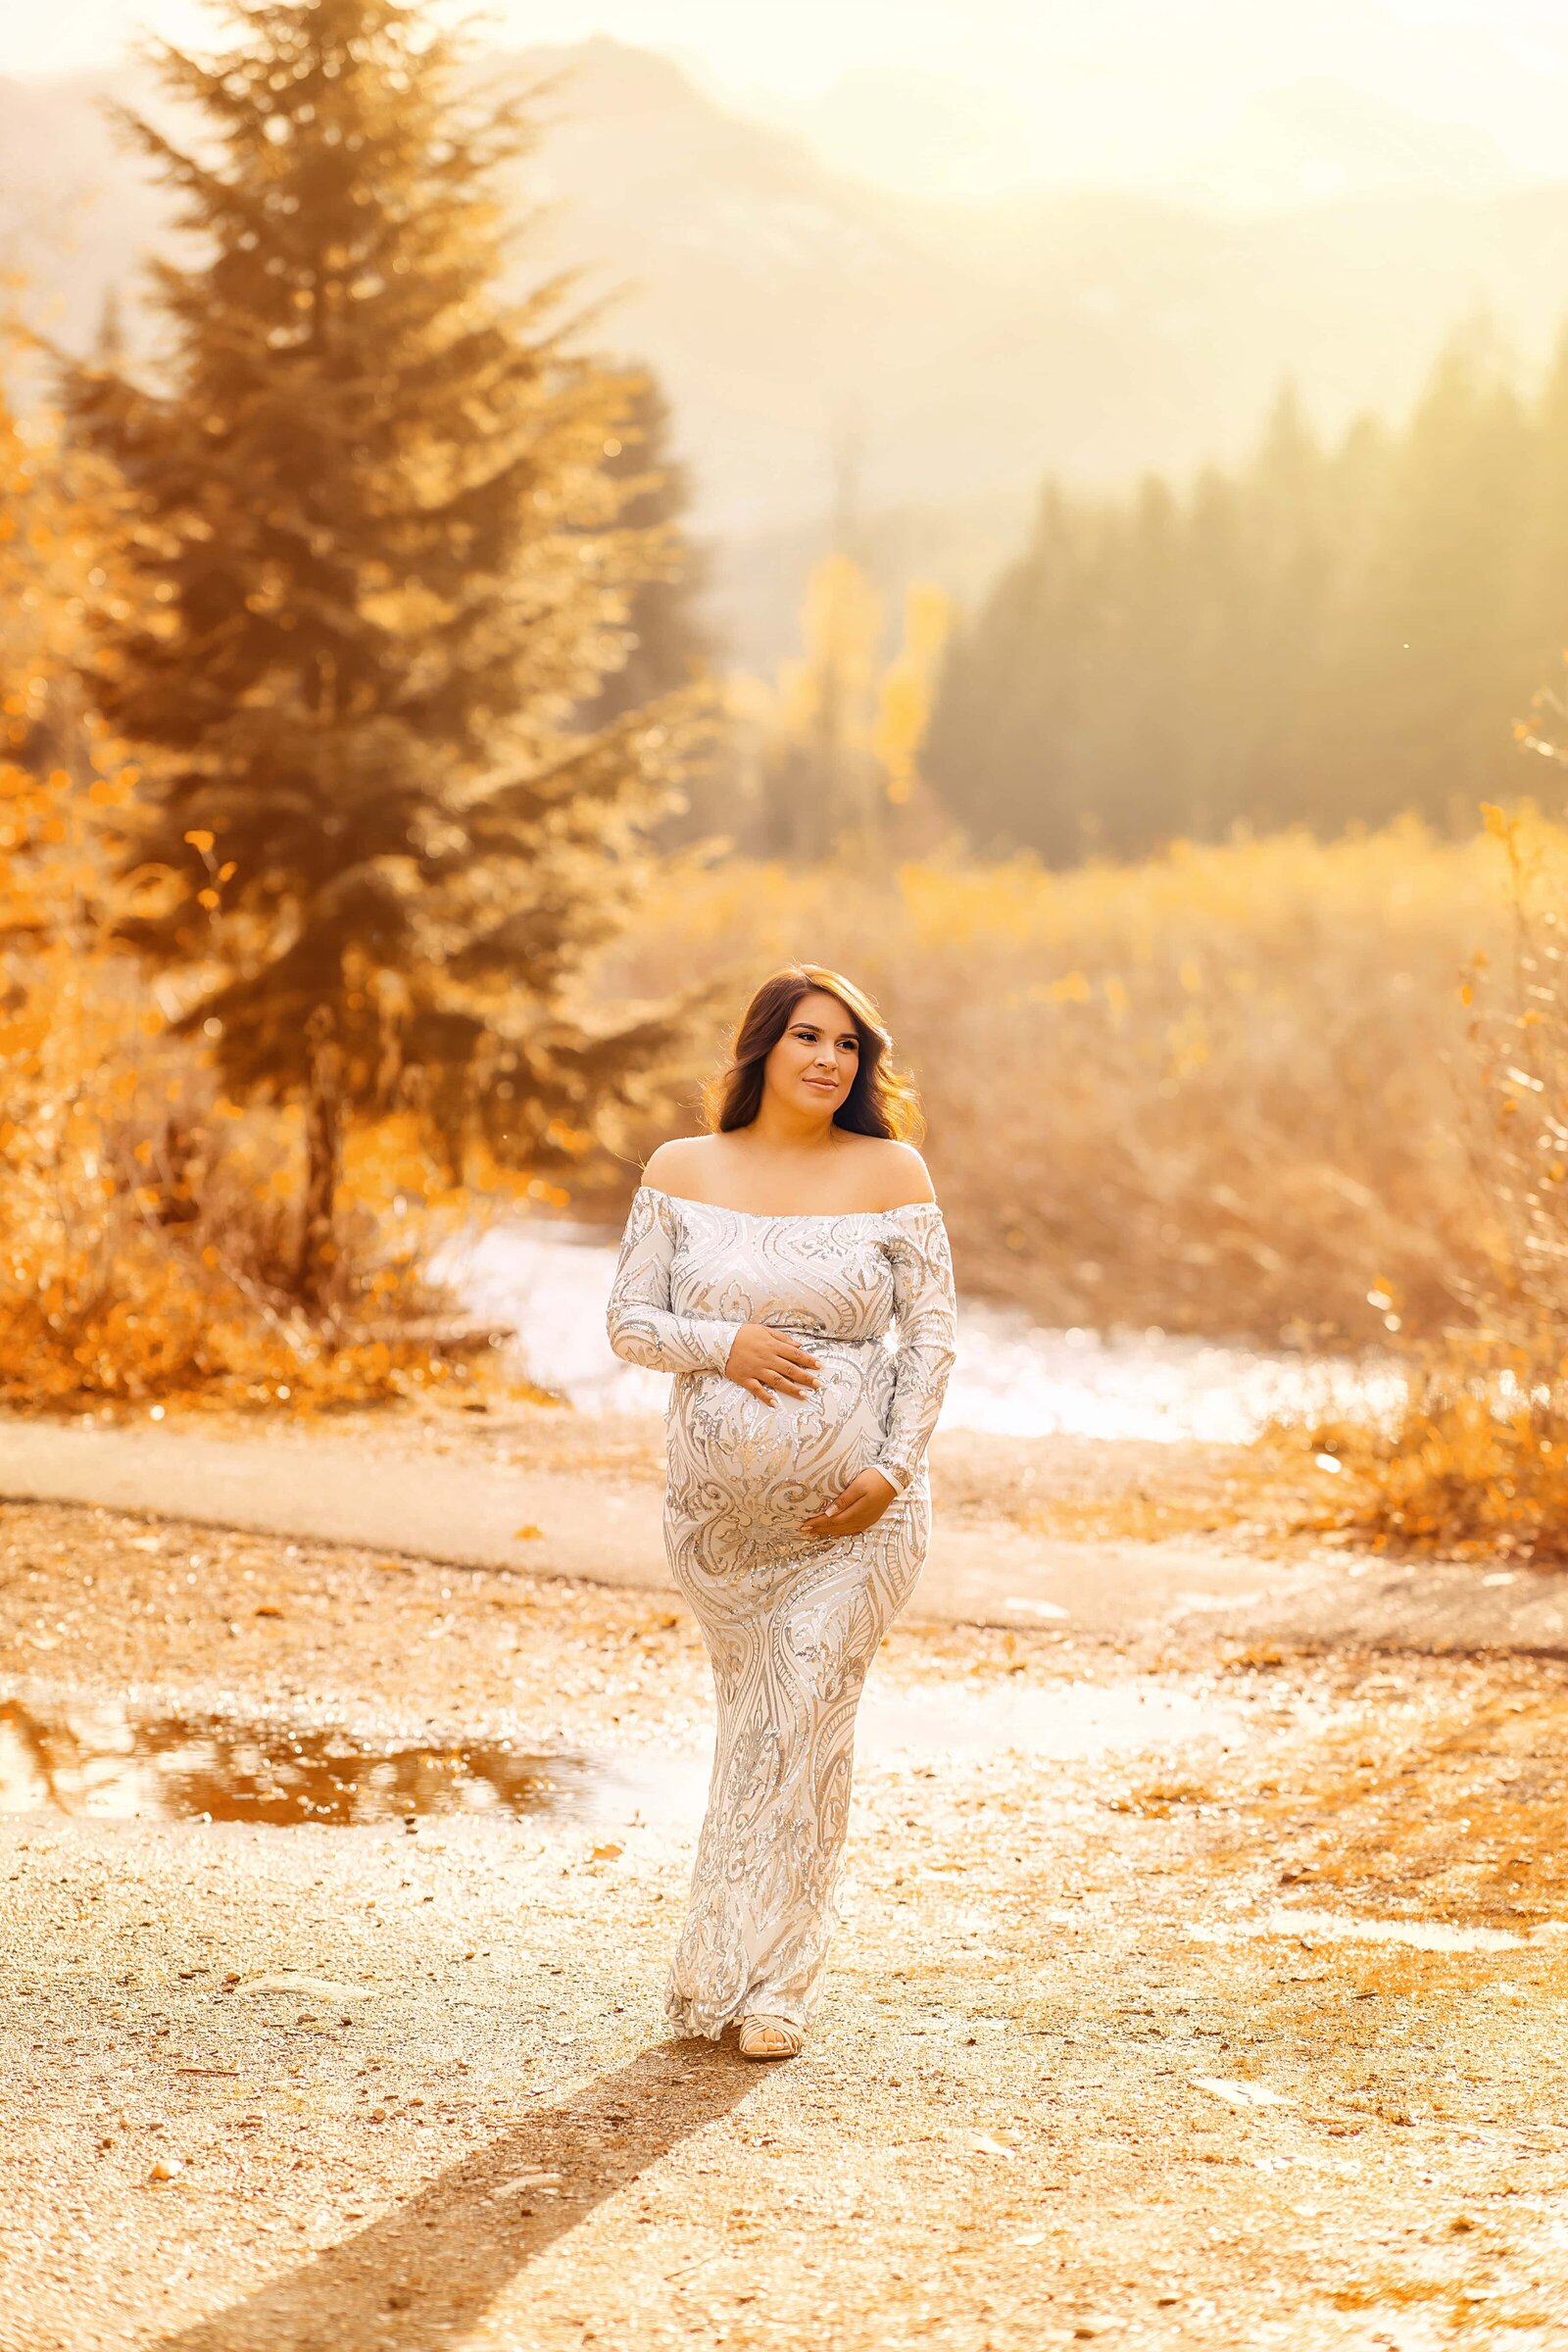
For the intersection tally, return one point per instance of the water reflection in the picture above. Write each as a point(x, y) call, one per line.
point(106, 1762)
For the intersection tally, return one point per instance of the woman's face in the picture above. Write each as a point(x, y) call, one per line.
point(813, 1067)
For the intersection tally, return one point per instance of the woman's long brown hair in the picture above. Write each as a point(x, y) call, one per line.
point(881, 1101)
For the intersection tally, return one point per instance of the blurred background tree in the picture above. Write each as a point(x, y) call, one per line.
point(1319, 635)
point(835, 741)
point(820, 776)
point(904, 692)
point(377, 525)
point(665, 644)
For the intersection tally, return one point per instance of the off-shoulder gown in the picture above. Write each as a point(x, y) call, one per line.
point(791, 1622)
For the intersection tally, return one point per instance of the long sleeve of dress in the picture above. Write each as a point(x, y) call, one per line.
point(641, 1325)
point(927, 1320)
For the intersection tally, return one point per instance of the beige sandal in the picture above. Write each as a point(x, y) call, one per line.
point(764, 2037)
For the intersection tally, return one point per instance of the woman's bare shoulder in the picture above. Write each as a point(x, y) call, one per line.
point(895, 1172)
point(678, 1166)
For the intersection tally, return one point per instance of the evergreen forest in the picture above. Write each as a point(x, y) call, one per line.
point(1326, 635)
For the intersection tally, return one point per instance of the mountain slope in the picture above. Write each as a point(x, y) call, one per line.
point(968, 349)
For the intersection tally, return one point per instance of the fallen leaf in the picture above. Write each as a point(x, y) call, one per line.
point(606, 1853)
point(1240, 2095)
point(324, 1988)
point(528, 1534)
point(267, 1608)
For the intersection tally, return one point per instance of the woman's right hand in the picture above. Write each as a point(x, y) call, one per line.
point(762, 1360)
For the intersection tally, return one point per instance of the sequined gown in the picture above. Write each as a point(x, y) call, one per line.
point(791, 1622)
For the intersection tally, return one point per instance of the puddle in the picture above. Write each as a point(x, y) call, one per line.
point(1419, 1934)
point(103, 1762)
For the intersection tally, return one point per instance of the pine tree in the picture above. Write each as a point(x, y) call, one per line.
point(1548, 585)
point(665, 644)
point(1268, 644)
point(376, 514)
point(1445, 646)
point(1141, 734)
point(1010, 744)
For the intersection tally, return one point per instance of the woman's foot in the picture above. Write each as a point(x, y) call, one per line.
point(764, 2037)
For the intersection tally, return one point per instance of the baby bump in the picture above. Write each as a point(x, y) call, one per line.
point(781, 1461)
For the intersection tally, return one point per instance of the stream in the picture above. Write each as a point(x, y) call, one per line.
point(1013, 1378)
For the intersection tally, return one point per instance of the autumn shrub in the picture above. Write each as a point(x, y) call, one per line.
point(1221, 1090)
point(1471, 1462)
point(147, 1224)
point(1473, 1455)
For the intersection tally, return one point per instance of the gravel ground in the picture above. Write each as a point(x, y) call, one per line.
point(1141, 2024)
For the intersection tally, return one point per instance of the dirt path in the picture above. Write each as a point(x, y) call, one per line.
point(556, 1496)
point(1142, 2023)
point(1092, 1537)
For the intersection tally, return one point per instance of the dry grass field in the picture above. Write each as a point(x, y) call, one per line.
point(1218, 1090)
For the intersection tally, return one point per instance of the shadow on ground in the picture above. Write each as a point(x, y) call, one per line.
point(437, 2262)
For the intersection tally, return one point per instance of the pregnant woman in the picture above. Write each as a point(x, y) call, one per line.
point(765, 1265)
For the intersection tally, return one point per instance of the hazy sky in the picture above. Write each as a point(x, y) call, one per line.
point(977, 95)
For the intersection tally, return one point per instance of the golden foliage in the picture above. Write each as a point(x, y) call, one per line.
point(907, 689)
point(1474, 1462)
point(145, 1221)
point(834, 742)
point(1475, 1456)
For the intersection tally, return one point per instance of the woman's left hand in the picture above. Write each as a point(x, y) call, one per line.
point(860, 1506)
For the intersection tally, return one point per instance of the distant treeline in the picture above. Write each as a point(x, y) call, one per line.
point(1322, 635)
